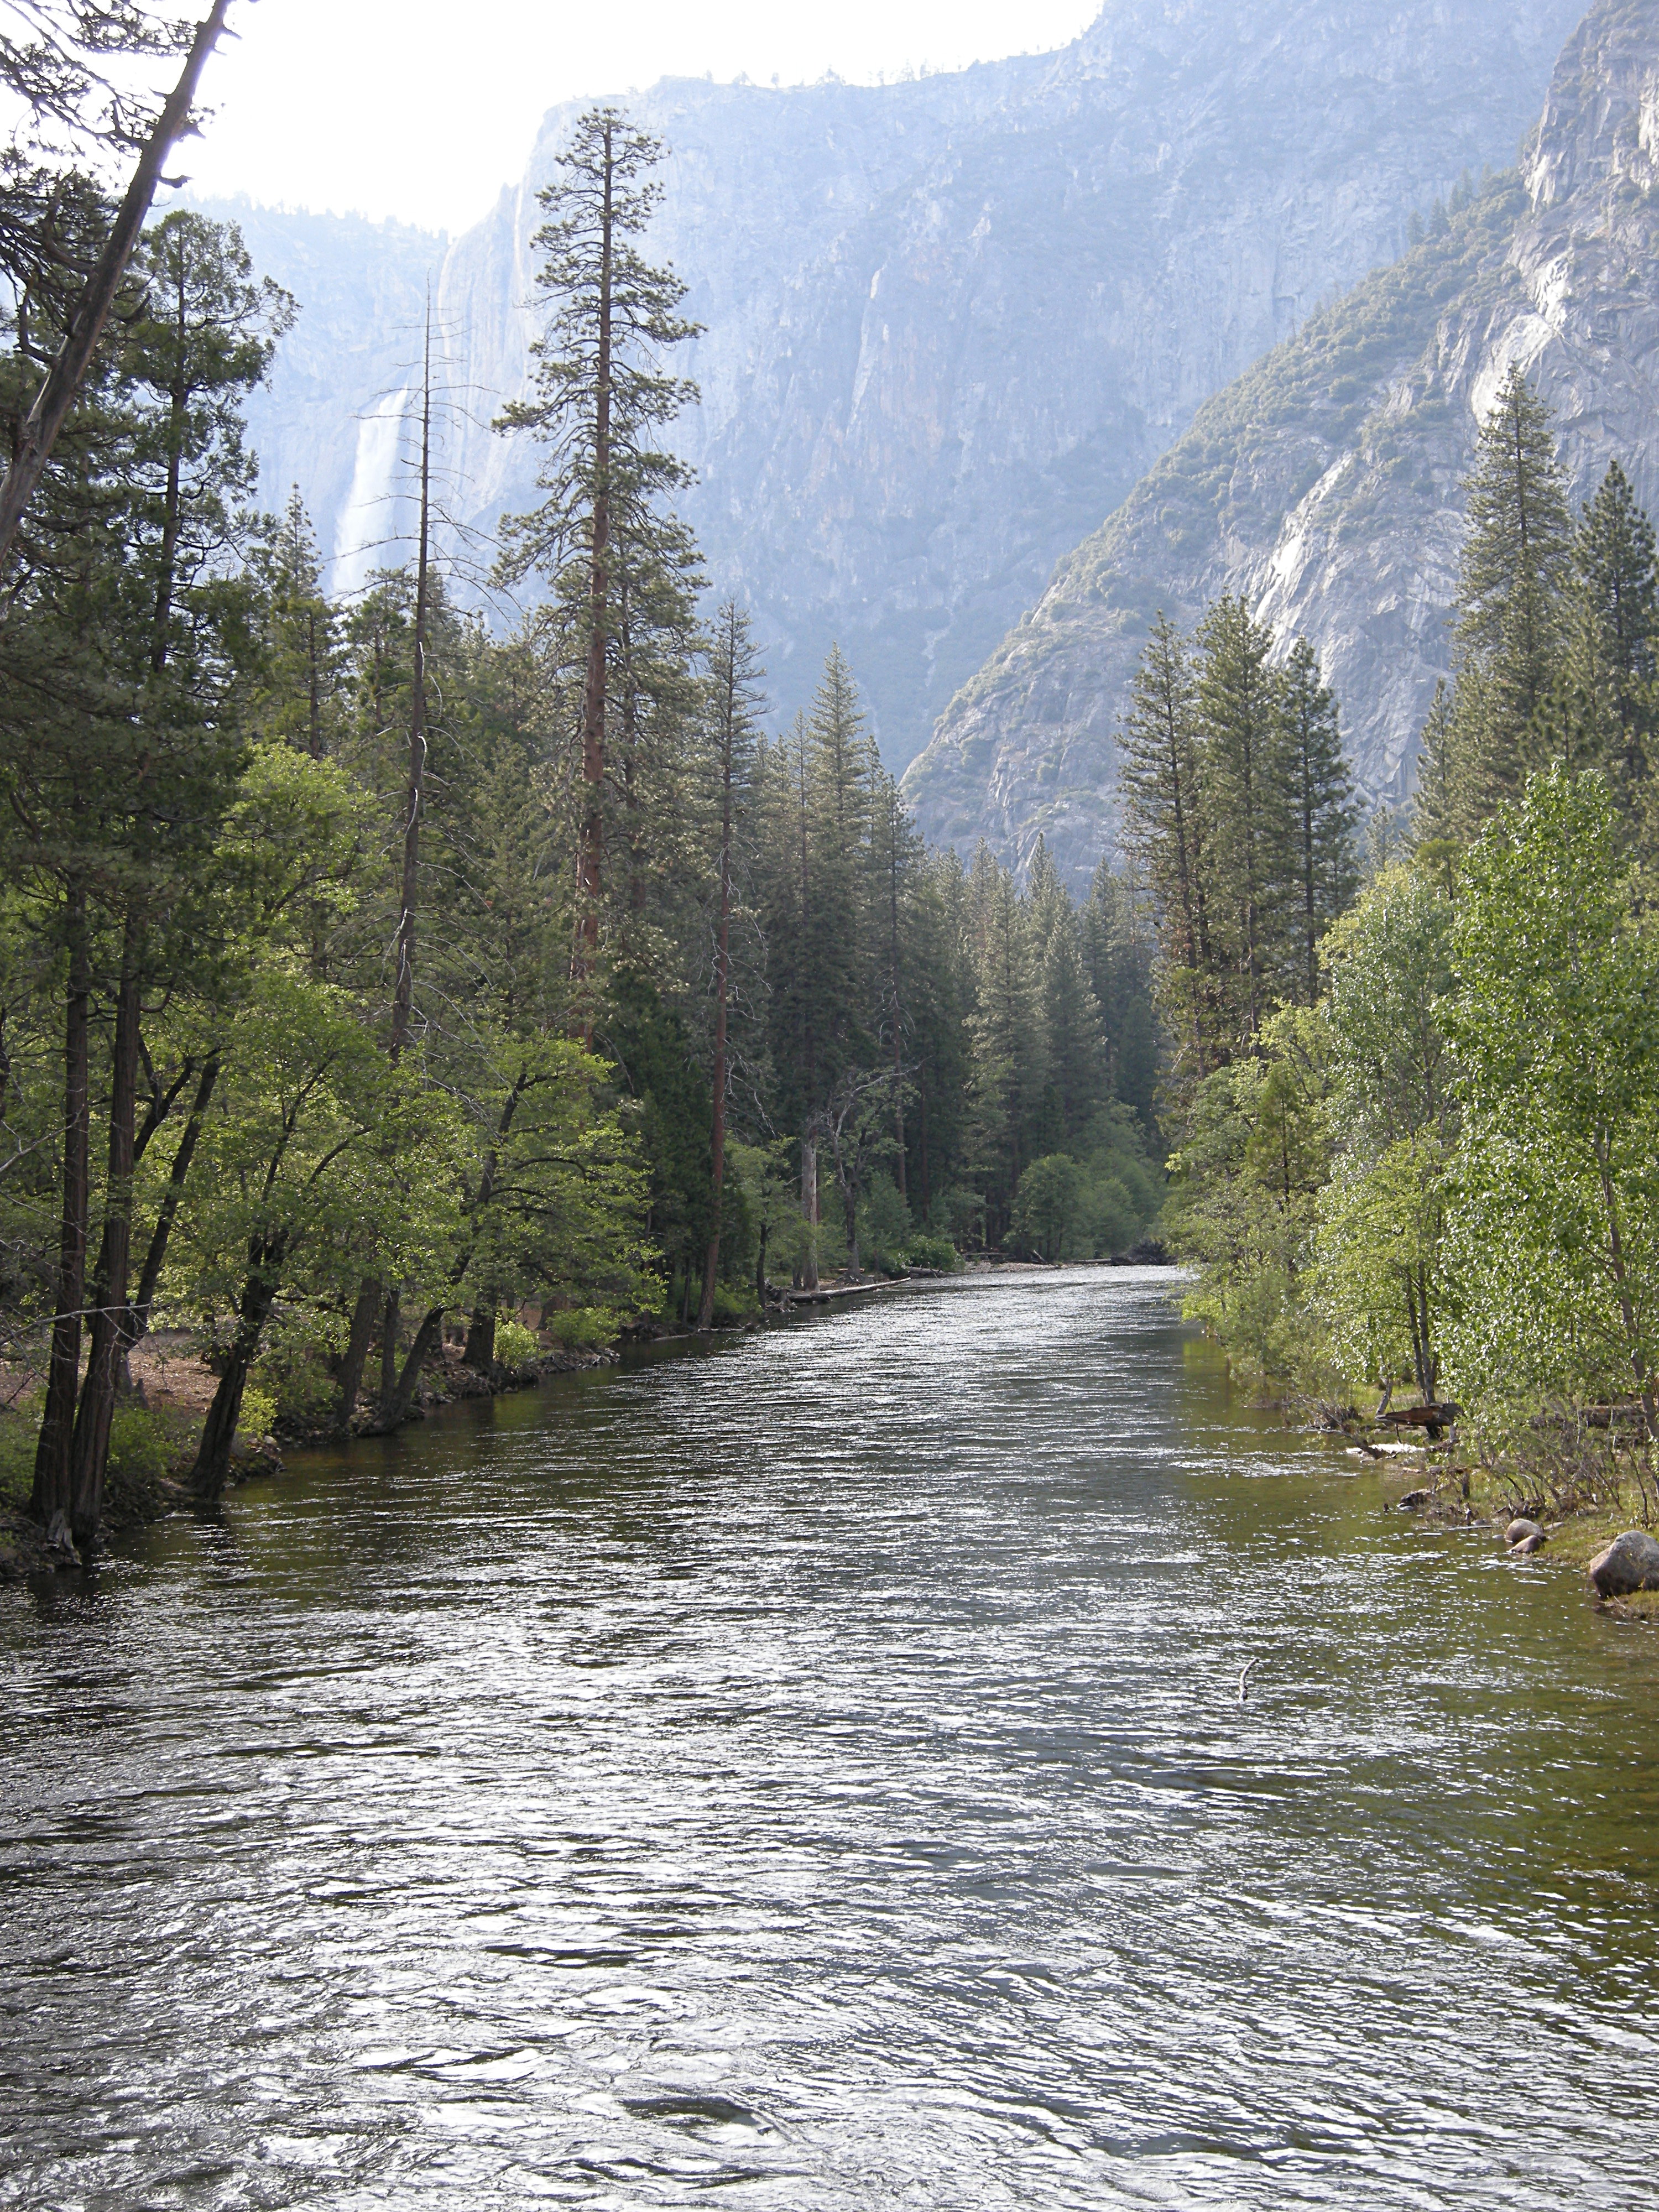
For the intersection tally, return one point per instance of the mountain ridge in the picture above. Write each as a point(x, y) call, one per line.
point(1323, 486)
point(950, 323)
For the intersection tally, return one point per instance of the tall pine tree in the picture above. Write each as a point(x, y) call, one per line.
point(1320, 815)
point(1511, 590)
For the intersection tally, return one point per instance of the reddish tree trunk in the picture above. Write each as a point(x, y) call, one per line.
point(590, 857)
point(90, 1450)
point(49, 1502)
point(722, 968)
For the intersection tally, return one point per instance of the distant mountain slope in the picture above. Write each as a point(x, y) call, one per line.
point(950, 323)
point(362, 290)
point(1323, 485)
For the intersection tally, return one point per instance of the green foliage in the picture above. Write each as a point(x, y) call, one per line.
point(884, 1225)
point(578, 1328)
point(517, 1346)
point(924, 1248)
point(1244, 1194)
point(1556, 1225)
point(1383, 1278)
point(1240, 814)
point(259, 1413)
point(1045, 1204)
point(1517, 561)
point(19, 1430)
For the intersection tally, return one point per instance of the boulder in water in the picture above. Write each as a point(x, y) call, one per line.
point(1630, 1563)
point(1529, 1545)
point(1518, 1531)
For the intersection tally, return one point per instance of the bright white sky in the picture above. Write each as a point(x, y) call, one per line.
point(423, 109)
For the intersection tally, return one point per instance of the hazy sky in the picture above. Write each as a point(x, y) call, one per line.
point(423, 109)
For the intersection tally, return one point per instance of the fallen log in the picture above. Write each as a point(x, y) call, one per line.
point(1421, 1417)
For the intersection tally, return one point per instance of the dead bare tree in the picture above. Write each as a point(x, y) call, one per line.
point(91, 310)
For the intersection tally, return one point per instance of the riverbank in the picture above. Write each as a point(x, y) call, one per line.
point(1447, 1493)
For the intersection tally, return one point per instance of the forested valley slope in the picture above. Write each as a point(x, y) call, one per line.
point(947, 324)
point(1325, 485)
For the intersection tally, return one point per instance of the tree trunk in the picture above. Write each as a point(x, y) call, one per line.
point(90, 1452)
point(49, 1502)
point(809, 1201)
point(136, 1323)
point(760, 1267)
point(212, 1469)
point(893, 982)
point(314, 682)
point(403, 995)
point(396, 1400)
point(359, 1337)
point(91, 311)
point(722, 967)
point(589, 861)
point(480, 1352)
point(389, 1321)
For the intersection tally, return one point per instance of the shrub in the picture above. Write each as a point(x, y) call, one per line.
point(884, 1225)
point(1046, 1203)
point(143, 1448)
point(259, 1411)
point(1107, 1220)
point(926, 1249)
point(517, 1346)
point(295, 1368)
point(579, 1328)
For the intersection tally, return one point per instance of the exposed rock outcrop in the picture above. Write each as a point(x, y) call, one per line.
point(948, 322)
point(1324, 485)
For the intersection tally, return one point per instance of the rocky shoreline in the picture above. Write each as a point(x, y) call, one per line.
point(1620, 1561)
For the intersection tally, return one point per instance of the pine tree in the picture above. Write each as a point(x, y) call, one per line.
point(163, 642)
point(734, 679)
point(298, 697)
point(941, 999)
point(1617, 588)
point(1073, 1039)
point(840, 763)
point(1242, 735)
point(1119, 939)
point(1512, 581)
point(601, 401)
point(1436, 814)
point(896, 853)
point(1007, 1071)
point(1320, 805)
point(1160, 777)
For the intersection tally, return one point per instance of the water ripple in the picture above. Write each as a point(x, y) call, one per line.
point(814, 1774)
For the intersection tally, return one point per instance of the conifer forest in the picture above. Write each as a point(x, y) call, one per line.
point(828, 1105)
point(377, 977)
point(385, 973)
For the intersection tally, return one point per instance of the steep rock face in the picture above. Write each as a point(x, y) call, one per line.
point(950, 323)
point(340, 373)
point(1324, 485)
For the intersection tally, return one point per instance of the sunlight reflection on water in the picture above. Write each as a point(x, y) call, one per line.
point(815, 1771)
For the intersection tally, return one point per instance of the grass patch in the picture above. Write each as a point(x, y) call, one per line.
point(19, 1430)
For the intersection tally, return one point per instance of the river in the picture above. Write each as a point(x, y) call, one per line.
point(812, 1773)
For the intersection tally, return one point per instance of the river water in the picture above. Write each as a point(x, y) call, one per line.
point(813, 1774)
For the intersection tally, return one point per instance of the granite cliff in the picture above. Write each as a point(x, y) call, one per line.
point(949, 323)
point(1324, 485)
